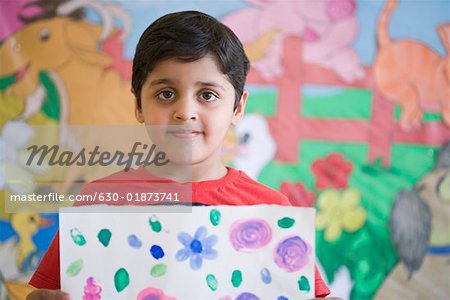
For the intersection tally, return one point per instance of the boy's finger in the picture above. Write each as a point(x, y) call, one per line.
point(61, 295)
point(44, 294)
point(56, 295)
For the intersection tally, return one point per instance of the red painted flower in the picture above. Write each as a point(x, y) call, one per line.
point(332, 171)
point(297, 194)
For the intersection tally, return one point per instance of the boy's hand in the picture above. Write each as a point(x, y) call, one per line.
point(43, 294)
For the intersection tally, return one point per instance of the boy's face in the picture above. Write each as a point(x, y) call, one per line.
point(194, 94)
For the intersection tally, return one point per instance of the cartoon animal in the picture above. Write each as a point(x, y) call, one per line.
point(412, 74)
point(256, 145)
point(327, 27)
point(19, 254)
point(67, 50)
point(420, 231)
point(26, 224)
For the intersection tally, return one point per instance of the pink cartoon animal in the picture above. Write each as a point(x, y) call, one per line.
point(327, 28)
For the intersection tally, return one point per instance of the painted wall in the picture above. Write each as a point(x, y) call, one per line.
point(350, 101)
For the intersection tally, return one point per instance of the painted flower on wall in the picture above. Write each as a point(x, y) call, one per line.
point(339, 211)
point(332, 171)
point(197, 248)
point(297, 194)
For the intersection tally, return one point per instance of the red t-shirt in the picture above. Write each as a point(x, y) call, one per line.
point(236, 188)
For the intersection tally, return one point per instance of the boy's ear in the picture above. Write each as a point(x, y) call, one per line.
point(137, 110)
point(238, 113)
point(138, 113)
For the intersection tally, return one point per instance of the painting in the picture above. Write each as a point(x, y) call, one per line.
point(213, 252)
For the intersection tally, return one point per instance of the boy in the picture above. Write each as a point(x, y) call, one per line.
point(188, 70)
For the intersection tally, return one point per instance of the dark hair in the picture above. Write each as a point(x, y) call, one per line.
point(189, 36)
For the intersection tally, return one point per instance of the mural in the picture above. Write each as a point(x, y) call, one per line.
point(350, 100)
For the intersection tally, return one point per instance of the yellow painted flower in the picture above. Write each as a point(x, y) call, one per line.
point(339, 211)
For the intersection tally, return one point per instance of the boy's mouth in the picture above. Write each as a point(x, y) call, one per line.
point(185, 133)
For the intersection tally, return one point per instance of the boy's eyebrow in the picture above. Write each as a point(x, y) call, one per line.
point(163, 81)
point(210, 83)
point(175, 81)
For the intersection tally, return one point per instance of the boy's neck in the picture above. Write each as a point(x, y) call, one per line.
point(207, 174)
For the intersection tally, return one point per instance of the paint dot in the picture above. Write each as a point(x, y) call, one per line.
point(134, 241)
point(77, 237)
point(74, 268)
point(92, 290)
point(121, 279)
point(265, 276)
point(282, 298)
point(247, 296)
point(104, 236)
point(236, 278)
point(196, 246)
point(303, 284)
point(286, 222)
point(157, 252)
point(155, 224)
point(158, 270)
point(214, 217)
point(212, 282)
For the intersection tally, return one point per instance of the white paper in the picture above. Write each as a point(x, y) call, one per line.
point(247, 240)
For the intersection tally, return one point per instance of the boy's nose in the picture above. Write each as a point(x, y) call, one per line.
point(185, 111)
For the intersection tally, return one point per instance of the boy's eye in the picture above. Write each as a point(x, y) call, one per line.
point(166, 95)
point(209, 96)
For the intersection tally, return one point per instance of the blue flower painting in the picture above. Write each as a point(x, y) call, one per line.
point(197, 248)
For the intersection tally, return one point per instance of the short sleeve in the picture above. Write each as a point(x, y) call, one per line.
point(47, 274)
point(321, 288)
